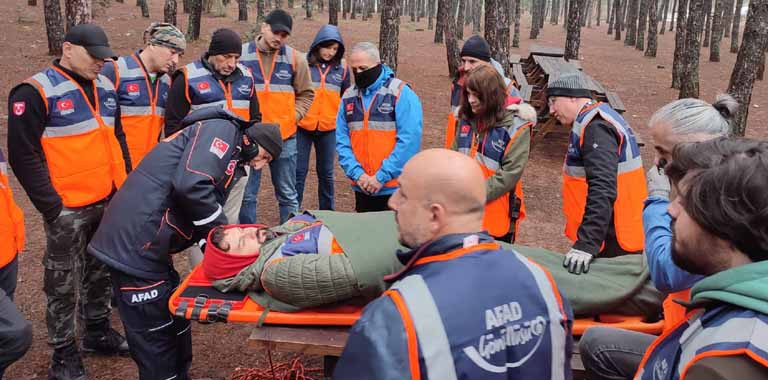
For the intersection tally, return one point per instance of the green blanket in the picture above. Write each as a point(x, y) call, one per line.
point(619, 285)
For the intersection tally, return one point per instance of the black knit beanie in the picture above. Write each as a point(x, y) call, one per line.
point(266, 136)
point(225, 41)
point(476, 47)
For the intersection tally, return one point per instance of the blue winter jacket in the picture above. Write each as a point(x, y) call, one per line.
point(665, 274)
point(410, 122)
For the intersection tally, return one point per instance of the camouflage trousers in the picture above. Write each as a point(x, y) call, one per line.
point(71, 274)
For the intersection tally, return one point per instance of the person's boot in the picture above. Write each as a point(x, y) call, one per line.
point(67, 364)
point(102, 339)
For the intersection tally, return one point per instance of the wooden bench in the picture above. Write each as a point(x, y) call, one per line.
point(525, 88)
point(329, 342)
point(615, 101)
point(552, 51)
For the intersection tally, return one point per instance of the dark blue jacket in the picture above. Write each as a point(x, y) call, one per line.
point(479, 312)
point(173, 198)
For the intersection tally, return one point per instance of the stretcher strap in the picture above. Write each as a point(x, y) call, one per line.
point(181, 311)
point(198, 307)
point(212, 315)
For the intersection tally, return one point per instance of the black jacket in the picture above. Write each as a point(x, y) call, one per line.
point(173, 198)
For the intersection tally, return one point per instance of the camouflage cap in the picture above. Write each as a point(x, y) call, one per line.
point(165, 34)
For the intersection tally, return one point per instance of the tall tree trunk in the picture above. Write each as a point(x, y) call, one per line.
point(430, 14)
point(553, 15)
point(631, 22)
point(345, 7)
point(585, 17)
point(747, 61)
point(717, 31)
point(497, 30)
point(412, 10)
point(542, 13)
point(389, 32)
point(186, 6)
point(707, 22)
point(195, 15)
point(32, 3)
point(663, 15)
point(451, 44)
point(353, 10)
point(573, 37)
point(642, 21)
point(242, 10)
point(653, 27)
point(611, 15)
point(608, 11)
point(459, 35)
point(727, 18)
point(534, 17)
point(677, 62)
point(308, 8)
point(736, 26)
point(169, 12)
point(77, 12)
point(599, 11)
point(625, 18)
point(761, 66)
point(619, 23)
point(333, 12)
point(516, 36)
point(54, 27)
point(477, 6)
point(260, 13)
point(442, 18)
point(144, 8)
point(689, 84)
point(675, 14)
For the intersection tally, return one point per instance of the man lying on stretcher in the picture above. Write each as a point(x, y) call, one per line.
point(323, 258)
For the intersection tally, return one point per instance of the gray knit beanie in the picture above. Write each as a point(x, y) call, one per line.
point(569, 85)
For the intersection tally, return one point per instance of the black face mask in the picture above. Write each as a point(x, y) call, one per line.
point(367, 77)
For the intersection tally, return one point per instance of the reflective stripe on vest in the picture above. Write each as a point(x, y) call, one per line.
point(440, 358)
point(142, 106)
point(373, 130)
point(84, 158)
point(720, 331)
point(631, 186)
point(277, 97)
point(11, 219)
point(204, 90)
point(325, 106)
point(489, 154)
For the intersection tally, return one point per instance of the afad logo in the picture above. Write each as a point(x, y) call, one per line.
point(283, 74)
point(65, 106)
point(350, 108)
point(133, 89)
point(244, 89)
point(386, 108)
point(110, 103)
point(204, 87)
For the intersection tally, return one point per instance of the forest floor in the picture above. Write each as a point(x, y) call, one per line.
point(642, 83)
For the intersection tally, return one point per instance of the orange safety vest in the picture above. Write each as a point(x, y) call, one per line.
point(11, 219)
point(204, 90)
point(674, 313)
point(373, 131)
point(325, 106)
point(631, 185)
point(489, 153)
point(277, 97)
point(84, 158)
point(142, 106)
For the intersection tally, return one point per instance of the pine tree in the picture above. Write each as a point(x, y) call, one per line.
point(54, 26)
point(389, 32)
point(689, 83)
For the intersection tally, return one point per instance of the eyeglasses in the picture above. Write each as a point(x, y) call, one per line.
point(551, 100)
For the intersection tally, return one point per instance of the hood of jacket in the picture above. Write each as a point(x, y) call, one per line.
point(745, 286)
point(325, 34)
point(522, 111)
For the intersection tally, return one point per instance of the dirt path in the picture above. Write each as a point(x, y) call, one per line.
point(642, 84)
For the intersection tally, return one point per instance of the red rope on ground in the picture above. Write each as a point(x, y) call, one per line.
point(290, 369)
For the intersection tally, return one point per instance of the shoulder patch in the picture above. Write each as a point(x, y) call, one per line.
point(19, 108)
point(219, 147)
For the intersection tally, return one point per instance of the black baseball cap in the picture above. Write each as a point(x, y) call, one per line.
point(92, 38)
point(280, 21)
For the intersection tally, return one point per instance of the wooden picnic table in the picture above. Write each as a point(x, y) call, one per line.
point(329, 342)
point(552, 51)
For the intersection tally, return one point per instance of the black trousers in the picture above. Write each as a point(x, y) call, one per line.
point(368, 203)
point(160, 343)
point(15, 331)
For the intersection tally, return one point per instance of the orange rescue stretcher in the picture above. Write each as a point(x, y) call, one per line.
point(195, 299)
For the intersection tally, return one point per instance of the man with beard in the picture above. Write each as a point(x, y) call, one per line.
point(142, 81)
point(720, 227)
point(462, 307)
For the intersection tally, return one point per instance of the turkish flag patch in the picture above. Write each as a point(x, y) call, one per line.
point(350, 107)
point(65, 106)
point(465, 129)
point(19, 108)
point(203, 86)
point(299, 237)
point(132, 87)
point(219, 147)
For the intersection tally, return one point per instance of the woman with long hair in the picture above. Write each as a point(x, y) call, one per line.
point(497, 134)
point(330, 78)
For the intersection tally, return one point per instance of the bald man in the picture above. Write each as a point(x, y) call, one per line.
point(462, 307)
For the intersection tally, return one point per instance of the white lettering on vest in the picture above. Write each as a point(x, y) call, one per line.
point(146, 296)
point(502, 315)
